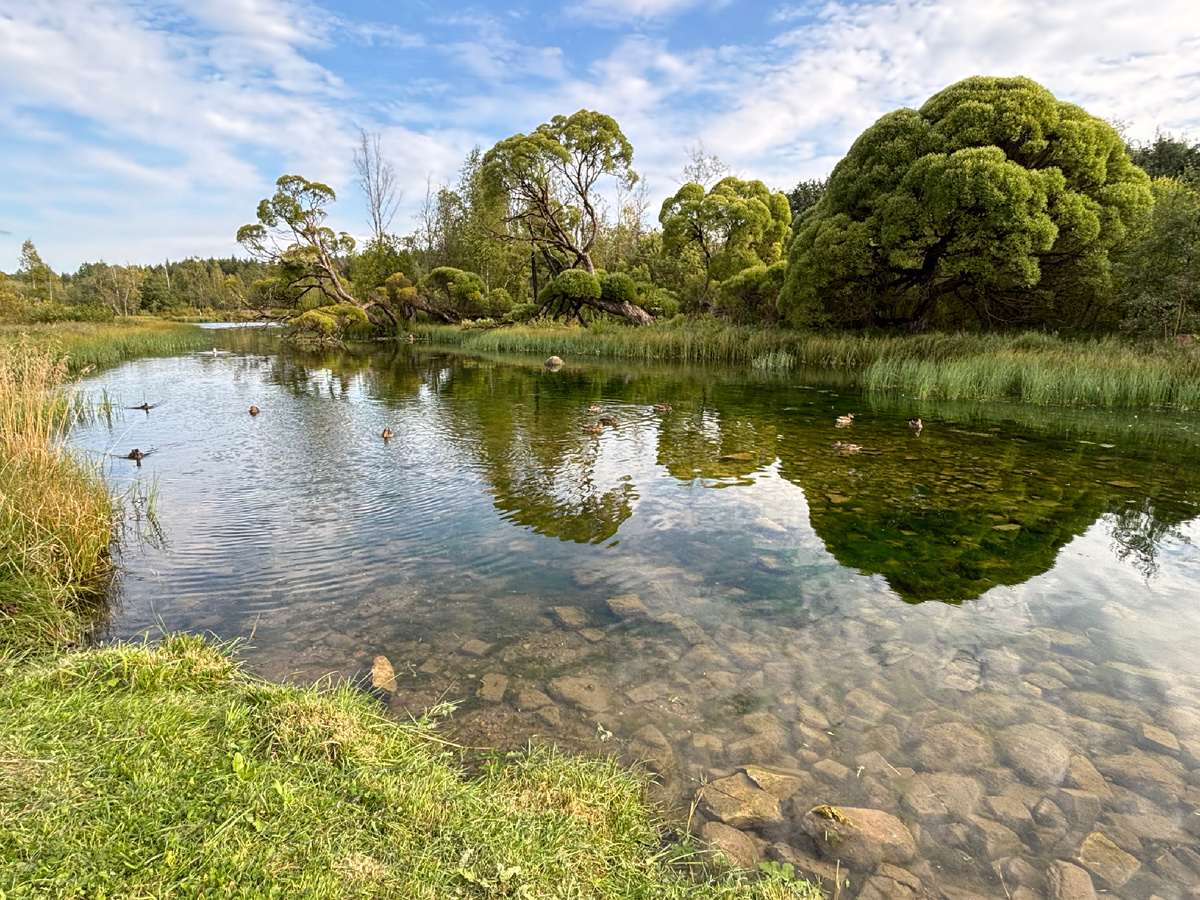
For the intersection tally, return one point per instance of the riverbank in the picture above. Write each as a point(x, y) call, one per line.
point(87, 344)
point(165, 771)
point(1032, 367)
point(131, 770)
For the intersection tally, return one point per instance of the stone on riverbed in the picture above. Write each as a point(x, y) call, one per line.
point(1143, 773)
point(494, 686)
point(476, 648)
point(892, 883)
point(383, 676)
point(1158, 739)
point(737, 846)
point(1068, 882)
point(1107, 861)
point(628, 608)
point(954, 747)
point(589, 694)
point(649, 746)
point(937, 797)
point(1038, 754)
point(569, 617)
point(860, 838)
point(740, 803)
point(1082, 774)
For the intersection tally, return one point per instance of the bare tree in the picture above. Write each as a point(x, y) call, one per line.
point(704, 169)
point(377, 178)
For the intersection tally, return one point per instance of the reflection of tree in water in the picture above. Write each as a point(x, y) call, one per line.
point(1138, 533)
point(525, 430)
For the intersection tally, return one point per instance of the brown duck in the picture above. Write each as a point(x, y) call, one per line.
point(254, 410)
point(387, 434)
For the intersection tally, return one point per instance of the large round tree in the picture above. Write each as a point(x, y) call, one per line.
point(993, 205)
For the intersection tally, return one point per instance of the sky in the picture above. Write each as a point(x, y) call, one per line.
point(138, 130)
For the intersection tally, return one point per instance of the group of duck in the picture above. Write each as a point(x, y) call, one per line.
point(612, 421)
point(848, 419)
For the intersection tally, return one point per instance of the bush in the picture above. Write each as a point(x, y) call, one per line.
point(618, 288)
point(498, 302)
point(522, 312)
point(56, 312)
point(659, 302)
point(575, 285)
point(750, 296)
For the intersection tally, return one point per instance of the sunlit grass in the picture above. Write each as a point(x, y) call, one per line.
point(56, 514)
point(1033, 367)
point(133, 771)
point(93, 344)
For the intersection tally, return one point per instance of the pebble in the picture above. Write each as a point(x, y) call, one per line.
point(476, 648)
point(494, 686)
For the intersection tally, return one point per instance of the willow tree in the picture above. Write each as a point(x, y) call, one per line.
point(735, 225)
point(550, 181)
point(993, 205)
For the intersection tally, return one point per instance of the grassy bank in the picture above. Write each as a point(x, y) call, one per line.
point(132, 771)
point(93, 344)
point(1032, 367)
point(56, 515)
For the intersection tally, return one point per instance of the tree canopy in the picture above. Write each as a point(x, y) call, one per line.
point(735, 225)
point(549, 180)
point(994, 205)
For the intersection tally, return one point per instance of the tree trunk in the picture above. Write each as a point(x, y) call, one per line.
point(634, 314)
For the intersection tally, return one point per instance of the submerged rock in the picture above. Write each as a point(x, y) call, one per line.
point(1069, 882)
point(494, 686)
point(383, 676)
point(954, 747)
point(1040, 755)
point(860, 838)
point(938, 797)
point(1107, 861)
point(629, 608)
point(739, 802)
point(589, 694)
point(737, 846)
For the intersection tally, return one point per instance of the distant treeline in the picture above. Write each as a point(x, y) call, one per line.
point(949, 217)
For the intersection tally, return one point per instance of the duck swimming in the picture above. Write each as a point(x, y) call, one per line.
point(137, 454)
point(841, 447)
point(593, 409)
point(608, 420)
point(387, 434)
point(145, 407)
point(592, 429)
point(843, 421)
point(662, 407)
point(254, 410)
point(916, 424)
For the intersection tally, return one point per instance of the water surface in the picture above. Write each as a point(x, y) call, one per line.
point(716, 576)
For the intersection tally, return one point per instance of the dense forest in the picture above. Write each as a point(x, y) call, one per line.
point(992, 207)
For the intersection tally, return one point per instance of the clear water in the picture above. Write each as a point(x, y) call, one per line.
point(1001, 567)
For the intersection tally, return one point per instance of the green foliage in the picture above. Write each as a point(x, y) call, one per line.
point(750, 297)
point(39, 278)
point(498, 302)
point(327, 323)
point(546, 180)
point(735, 225)
point(1168, 156)
point(44, 313)
point(805, 195)
point(1160, 277)
point(618, 288)
point(994, 205)
point(457, 290)
point(658, 301)
point(574, 286)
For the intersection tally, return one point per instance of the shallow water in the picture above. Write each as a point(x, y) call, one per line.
point(710, 587)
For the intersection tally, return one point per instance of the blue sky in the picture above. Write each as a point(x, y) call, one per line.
point(133, 130)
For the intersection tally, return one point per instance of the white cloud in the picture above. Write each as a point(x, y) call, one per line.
point(615, 12)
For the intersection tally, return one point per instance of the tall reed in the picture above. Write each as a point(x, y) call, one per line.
point(1033, 367)
point(56, 515)
point(92, 344)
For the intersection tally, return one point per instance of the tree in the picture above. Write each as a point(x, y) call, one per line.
point(735, 225)
point(548, 183)
point(750, 296)
point(377, 179)
point(1168, 156)
point(704, 169)
point(1160, 276)
point(805, 195)
point(38, 277)
point(994, 205)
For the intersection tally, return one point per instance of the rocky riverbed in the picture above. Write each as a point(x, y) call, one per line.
point(1039, 767)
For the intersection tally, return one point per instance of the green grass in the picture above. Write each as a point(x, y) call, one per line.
point(88, 344)
point(56, 515)
point(163, 772)
point(1033, 367)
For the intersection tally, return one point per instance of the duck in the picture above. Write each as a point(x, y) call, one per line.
point(608, 420)
point(387, 434)
point(145, 407)
point(137, 454)
point(843, 421)
point(254, 410)
point(916, 424)
point(593, 409)
point(662, 407)
point(841, 447)
point(592, 429)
